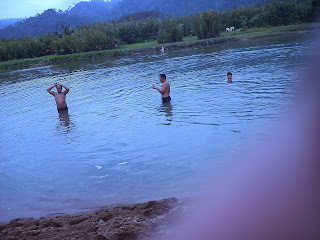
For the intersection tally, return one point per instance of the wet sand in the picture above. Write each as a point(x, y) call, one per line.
point(117, 222)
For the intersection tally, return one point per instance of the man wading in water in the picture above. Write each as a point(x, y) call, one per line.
point(165, 88)
point(59, 96)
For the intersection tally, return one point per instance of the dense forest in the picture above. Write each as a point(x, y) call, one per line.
point(180, 8)
point(102, 11)
point(141, 27)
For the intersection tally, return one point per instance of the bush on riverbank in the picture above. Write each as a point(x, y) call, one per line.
point(111, 35)
point(188, 42)
point(170, 31)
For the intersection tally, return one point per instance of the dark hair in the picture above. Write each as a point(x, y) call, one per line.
point(229, 73)
point(163, 76)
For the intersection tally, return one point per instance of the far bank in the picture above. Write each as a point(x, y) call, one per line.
point(153, 46)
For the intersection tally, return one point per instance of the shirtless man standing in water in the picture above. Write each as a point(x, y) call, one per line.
point(165, 88)
point(59, 96)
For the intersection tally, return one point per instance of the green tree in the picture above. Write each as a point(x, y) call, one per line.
point(171, 30)
point(207, 25)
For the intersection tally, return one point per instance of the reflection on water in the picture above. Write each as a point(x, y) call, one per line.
point(113, 136)
point(65, 124)
point(66, 127)
point(167, 109)
point(64, 118)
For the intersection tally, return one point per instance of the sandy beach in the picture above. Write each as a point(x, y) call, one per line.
point(132, 221)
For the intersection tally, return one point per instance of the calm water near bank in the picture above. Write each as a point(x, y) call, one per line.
point(118, 143)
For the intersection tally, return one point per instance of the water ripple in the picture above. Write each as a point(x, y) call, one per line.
point(118, 141)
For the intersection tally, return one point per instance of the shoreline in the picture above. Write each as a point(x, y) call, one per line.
point(153, 46)
point(116, 222)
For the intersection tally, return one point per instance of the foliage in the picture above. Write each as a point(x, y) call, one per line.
point(179, 8)
point(110, 35)
point(140, 16)
point(170, 31)
point(88, 12)
point(153, 45)
point(206, 25)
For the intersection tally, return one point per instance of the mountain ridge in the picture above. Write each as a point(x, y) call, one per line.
point(102, 11)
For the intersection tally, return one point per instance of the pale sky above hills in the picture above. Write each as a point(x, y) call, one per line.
point(30, 8)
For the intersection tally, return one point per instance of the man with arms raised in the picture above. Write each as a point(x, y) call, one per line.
point(165, 88)
point(59, 96)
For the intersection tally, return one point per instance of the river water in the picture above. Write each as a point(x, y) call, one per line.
point(118, 143)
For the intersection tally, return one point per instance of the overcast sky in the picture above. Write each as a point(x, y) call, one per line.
point(30, 8)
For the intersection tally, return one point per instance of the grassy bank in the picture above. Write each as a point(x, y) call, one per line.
point(154, 46)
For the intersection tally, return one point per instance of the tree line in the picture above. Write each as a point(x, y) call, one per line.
point(89, 12)
point(137, 29)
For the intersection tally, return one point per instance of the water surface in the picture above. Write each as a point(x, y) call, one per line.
point(118, 143)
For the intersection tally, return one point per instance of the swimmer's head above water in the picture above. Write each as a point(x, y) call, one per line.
point(229, 76)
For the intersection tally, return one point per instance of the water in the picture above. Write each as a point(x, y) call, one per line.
point(118, 143)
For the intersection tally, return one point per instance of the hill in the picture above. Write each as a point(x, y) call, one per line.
point(10, 21)
point(94, 11)
point(101, 11)
point(48, 21)
point(178, 7)
point(51, 20)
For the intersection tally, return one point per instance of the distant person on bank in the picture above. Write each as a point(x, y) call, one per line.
point(165, 88)
point(59, 96)
point(229, 76)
